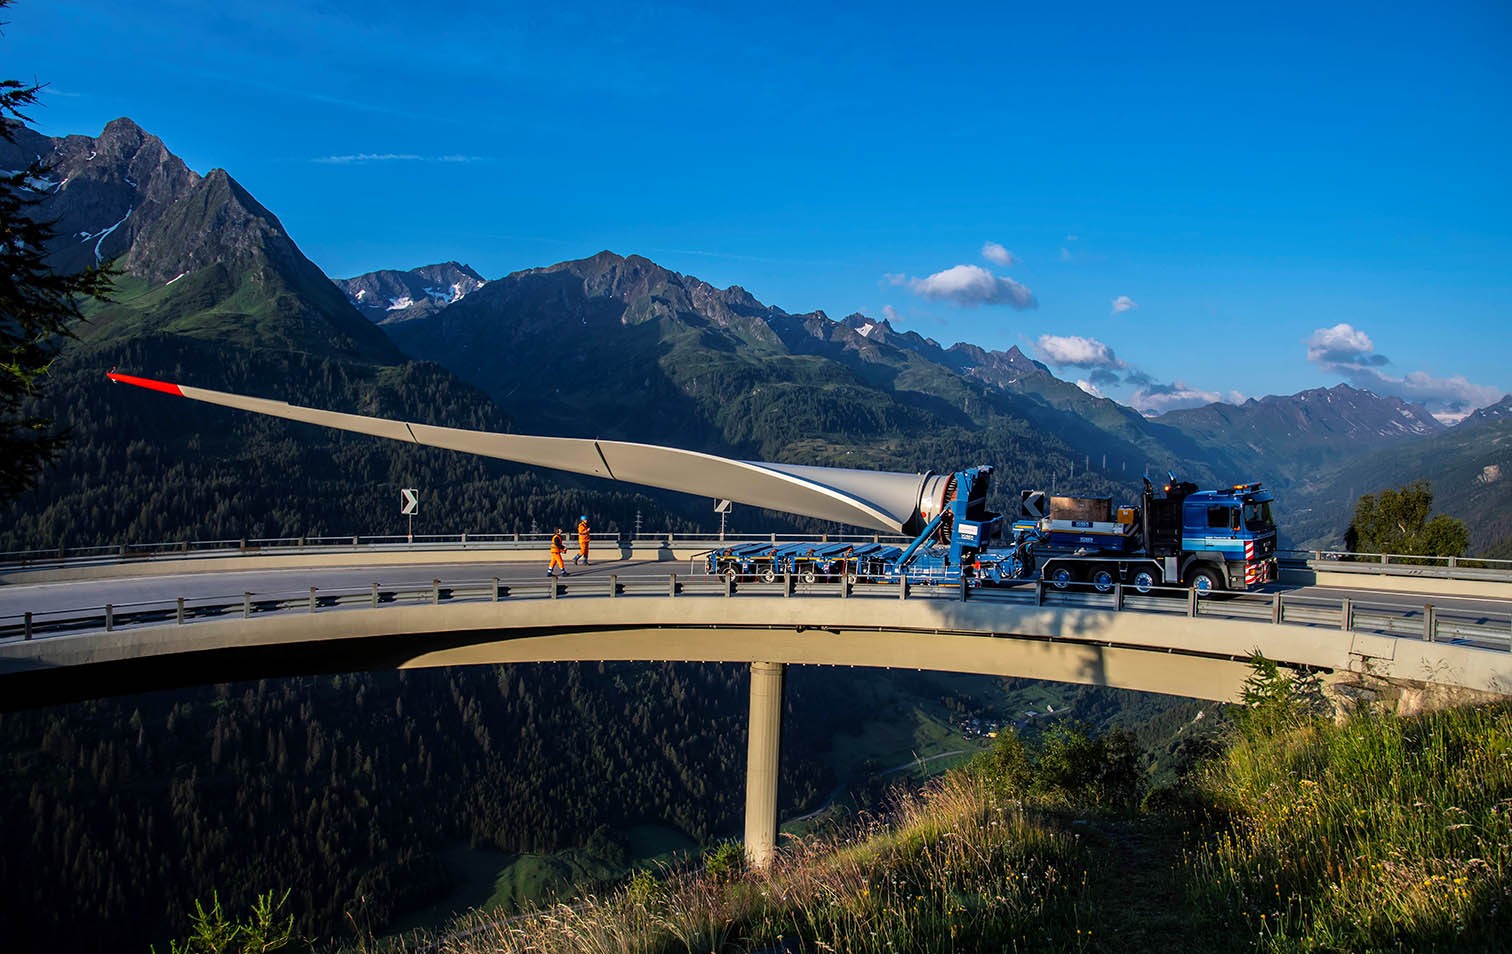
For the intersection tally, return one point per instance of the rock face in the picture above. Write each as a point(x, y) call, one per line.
point(389, 296)
point(103, 192)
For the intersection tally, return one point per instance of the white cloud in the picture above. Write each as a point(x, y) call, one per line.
point(890, 314)
point(1076, 351)
point(968, 286)
point(998, 255)
point(1089, 387)
point(1342, 344)
point(1124, 303)
point(1065, 254)
point(1349, 352)
point(361, 158)
point(1155, 399)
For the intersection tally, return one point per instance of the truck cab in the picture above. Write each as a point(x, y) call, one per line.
point(1230, 532)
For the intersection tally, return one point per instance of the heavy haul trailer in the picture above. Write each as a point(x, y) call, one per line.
point(954, 544)
point(1209, 540)
point(807, 562)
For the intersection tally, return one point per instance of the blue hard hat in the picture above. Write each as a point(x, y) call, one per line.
point(583, 517)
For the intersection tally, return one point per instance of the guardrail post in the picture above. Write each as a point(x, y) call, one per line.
point(354, 541)
point(247, 603)
point(27, 626)
point(109, 617)
point(1453, 562)
point(1430, 622)
point(1277, 612)
point(787, 583)
point(496, 589)
point(1192, 602)
point(435, 592)
point(902, 587)
point(123, 551)
point(1118, 597)
point(729, 587)
point(181, 611)
point(312, 599)
point(1039, 592)
point(1385, 559)
point(613, 585)
point(1346, 615)
point(844, 583)
point(374, 603)
point(671, 584)
point(964, 587)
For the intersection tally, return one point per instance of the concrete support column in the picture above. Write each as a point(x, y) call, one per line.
point(762, 752)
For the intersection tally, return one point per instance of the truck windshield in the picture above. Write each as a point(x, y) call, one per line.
point(1257, 517)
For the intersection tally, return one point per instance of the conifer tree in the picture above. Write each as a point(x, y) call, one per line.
point(38, 306)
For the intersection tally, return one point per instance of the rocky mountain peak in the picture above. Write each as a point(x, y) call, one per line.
point(390, 295)
point(103, 192)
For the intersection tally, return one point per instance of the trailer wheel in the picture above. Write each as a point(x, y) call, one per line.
point(808, 575)
point(730, 572)
point(1144, 581)
point(769, 575)
point(1061, 577)
point(1205, 582)
point(851, 577)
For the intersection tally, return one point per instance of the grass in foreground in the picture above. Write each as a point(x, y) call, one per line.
point(1378, 834)
point(959, 868)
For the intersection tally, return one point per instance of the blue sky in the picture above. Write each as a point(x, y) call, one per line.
point(1170, 204)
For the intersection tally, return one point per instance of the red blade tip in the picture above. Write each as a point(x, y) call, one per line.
point(147, 383)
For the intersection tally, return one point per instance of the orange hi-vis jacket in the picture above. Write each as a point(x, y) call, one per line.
point(583, 535)
point(558, 545)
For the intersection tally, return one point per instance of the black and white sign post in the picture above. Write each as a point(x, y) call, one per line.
point(723, 508)
point(409, 505)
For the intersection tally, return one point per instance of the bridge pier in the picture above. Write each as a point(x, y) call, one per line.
point(762, 753)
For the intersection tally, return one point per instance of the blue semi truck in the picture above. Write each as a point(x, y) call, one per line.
point(1179, 535)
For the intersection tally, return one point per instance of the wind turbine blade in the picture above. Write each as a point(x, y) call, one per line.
point(877, 500)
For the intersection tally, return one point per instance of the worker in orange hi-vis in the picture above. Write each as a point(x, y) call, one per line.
point(558, 549)
point(583, 537)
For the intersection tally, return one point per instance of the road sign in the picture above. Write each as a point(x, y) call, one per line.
point(409, 501)
point(722, 506)
point(1033, 504)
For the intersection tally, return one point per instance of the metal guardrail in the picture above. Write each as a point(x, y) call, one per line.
point(1399, 564)
point(1486, 630)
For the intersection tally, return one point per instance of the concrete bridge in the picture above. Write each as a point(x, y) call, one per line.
point(90, 634)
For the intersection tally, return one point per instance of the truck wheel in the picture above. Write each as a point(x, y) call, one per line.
point(1061, 577)
point(1144, 581)
point(1205, 582)
point(769, 575)
point(1103, 580)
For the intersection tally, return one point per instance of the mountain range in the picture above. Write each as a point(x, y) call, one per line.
point(618, 347)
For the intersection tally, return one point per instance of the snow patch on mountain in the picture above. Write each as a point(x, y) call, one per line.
point(103, 234)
